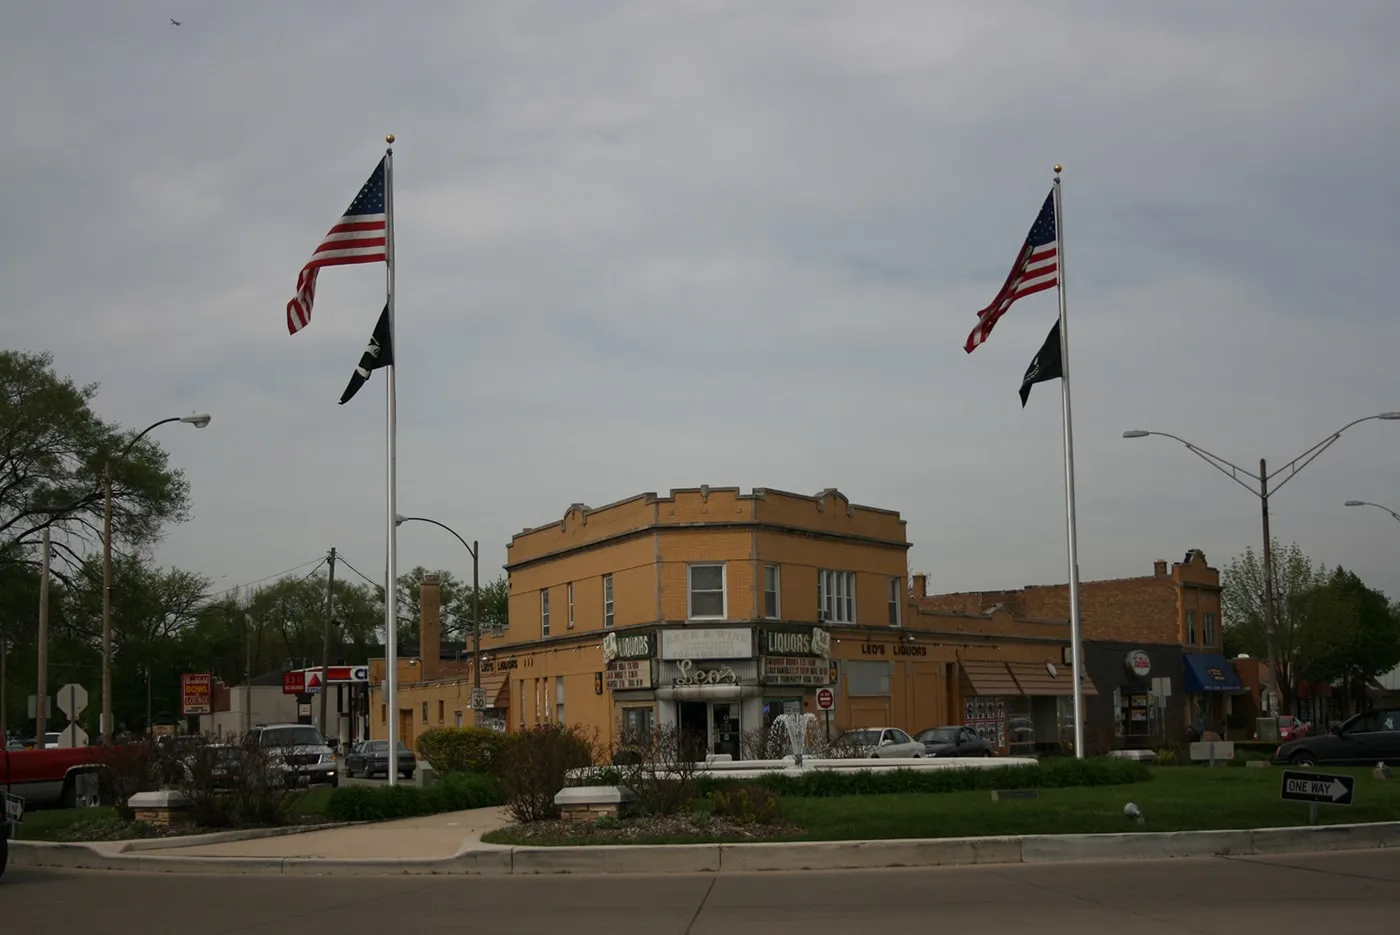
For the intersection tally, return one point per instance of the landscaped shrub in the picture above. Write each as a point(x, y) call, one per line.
point(1048, 774)
point(746, 803)
point(535, 766)
point(455, 793)
point(657, 767)
point(463, 750)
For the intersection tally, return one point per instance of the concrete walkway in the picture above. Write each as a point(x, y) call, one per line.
point(434, 836)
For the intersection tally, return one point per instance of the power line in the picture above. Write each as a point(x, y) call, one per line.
point(280, 574)
point(340, 556)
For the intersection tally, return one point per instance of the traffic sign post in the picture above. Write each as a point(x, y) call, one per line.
point(826, 700)
point(478, 699)
point(1317, 789)
point(72, 700)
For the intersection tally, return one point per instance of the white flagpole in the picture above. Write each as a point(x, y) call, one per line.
point(1076, 638)
point(391, 532)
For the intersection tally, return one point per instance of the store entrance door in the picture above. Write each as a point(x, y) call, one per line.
point(727, 735)
point(694, 719)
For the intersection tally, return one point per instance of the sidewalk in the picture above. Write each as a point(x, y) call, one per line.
point(435, 836)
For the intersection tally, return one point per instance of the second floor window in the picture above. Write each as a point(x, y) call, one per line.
point(706, 597)
point(571, 605)
point(836, 596)
point(770, 592)
point(896, 600)
point(1191, 627)
point(607, 602)
point(544, 612)
point(1208, 629)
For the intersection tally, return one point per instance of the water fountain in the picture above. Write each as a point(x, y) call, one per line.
point(793, 729)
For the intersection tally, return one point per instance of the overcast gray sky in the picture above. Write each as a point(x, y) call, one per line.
point(659, 244)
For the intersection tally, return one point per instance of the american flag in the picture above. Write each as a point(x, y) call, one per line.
point(358, 237)
point(1037, 269)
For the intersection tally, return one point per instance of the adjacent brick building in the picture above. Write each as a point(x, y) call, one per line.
point(1153, 646)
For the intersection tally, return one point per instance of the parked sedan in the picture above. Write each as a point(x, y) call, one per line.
point(372, 758)
point(952, 741)
point(1365, 740)
point(881, 743)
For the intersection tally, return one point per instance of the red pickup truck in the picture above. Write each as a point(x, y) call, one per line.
point(43, 778)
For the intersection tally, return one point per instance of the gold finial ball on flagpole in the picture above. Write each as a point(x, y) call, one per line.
point(389, 138)
point(1057, 166)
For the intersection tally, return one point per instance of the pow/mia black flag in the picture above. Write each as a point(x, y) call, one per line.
point(379, 353)
point(1047, 364)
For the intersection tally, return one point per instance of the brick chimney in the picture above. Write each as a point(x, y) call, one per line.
point(1159, 568)
point(429, 627)
point(921, 585)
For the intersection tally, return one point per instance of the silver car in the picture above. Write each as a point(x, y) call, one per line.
point(299, 751)
point(881, 743)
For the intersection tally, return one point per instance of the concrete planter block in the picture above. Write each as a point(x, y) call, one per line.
point(1382, 771)
point(589, 803)
point(162, 807)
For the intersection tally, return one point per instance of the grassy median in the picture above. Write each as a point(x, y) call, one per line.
point(1175, 799)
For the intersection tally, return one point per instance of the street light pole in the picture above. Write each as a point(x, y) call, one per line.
point(1393, 514)
point(1260, 487)
point(199, 420)
point(475, 550)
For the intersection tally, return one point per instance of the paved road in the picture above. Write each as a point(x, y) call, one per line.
point(1357, 893)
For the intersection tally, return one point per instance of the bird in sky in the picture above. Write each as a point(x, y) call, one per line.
point(174, 22)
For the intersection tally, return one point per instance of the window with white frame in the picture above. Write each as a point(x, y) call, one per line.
point(772, 609)
point(706, 592)
point(607, 602)
point(1191, 627)
point(896, 601)
point(571, 606)
point(544, 612)
point(836, 596)
point(1208, 629)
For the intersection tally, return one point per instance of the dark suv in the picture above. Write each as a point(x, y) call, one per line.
point(1365, 740)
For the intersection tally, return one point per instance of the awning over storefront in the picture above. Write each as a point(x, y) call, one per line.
point(1208, 672)
point(1035, 679)
point(987, 679)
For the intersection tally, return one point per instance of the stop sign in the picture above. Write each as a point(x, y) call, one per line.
point(825, 699)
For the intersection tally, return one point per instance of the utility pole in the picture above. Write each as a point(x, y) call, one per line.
point(476, 625)
point(1270, 611)
point(42, 695)
point(4, 689)
point(247, 675)
point(326, 642)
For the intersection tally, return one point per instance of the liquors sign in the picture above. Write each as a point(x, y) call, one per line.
point(786, 643)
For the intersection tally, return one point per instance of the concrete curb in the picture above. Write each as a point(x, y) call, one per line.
point(483, 859)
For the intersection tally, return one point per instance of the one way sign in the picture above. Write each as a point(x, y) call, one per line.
point(1317, 787)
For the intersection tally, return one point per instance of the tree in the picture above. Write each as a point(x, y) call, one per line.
point(1356, 633)
point(53, 449)
point(1296, 580)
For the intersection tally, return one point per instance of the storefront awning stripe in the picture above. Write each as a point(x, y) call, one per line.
point(1035, 679)
point(986, 678)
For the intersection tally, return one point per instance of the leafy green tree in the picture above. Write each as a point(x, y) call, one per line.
point(53, 448)
point(1296, 580)
point(1356, 633)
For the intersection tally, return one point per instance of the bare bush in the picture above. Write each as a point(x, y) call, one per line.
point(660, 769)
point(536, 764)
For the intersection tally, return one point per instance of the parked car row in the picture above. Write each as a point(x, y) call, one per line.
point(891, 742)
point(1364, 740)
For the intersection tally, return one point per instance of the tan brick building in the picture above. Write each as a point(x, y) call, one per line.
point(1171, 617)
point(717, 610)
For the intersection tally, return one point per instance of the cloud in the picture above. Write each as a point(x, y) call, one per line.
point(647, 246)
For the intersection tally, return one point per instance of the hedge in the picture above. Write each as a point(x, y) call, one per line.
point(463, 749)
point(456, 792)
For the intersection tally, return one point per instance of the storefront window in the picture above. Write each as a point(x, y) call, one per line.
point(638, 723)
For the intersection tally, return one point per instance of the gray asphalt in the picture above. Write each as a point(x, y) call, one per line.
point(1357, 893)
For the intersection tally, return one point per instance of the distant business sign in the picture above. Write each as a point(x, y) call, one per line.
point(629, 674)
point(795, 670)
point(196, 693)
point(293, 683)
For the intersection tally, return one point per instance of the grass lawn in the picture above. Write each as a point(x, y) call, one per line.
point(67, 824)
point(1176, 799)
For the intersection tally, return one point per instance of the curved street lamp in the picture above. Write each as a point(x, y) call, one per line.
point(474, 550)
point(1259, 485)
point(199, 420)
point(1393, 514)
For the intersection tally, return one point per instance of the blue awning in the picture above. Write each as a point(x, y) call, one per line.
point(1206, 672)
